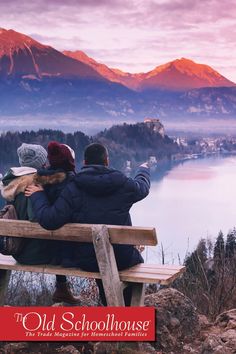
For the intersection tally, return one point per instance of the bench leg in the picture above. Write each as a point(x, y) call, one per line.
point(4, 280)
point(137, 294)
point(107, 266)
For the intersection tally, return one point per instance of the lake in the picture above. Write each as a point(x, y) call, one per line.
point(193, 200)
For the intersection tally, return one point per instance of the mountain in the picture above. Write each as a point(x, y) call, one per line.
point(22, 56)
point(183, 74)
point(180, 75)
point(115, 75)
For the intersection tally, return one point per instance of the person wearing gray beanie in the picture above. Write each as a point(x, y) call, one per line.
point(32, 159)
point(32, 155)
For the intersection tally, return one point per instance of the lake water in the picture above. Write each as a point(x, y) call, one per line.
point(194, 200)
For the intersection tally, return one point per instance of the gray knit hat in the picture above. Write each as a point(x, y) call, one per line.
point(32, 155)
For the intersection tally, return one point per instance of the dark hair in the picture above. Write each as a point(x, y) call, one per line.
point(95, 154)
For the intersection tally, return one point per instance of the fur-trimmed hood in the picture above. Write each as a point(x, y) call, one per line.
point(16, 186)
point(13, 184)
point(55, 178)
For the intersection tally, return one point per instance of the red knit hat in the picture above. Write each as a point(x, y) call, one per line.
point(60, 156)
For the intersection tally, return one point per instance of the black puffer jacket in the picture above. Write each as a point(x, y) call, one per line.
point(97, 195)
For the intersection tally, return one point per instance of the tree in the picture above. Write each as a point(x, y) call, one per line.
point(219, 250)
point(195, 261)
point(230, 247)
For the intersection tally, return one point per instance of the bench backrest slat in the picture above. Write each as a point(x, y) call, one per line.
point(79, 232)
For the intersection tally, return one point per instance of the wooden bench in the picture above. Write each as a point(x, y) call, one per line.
point(102, 236)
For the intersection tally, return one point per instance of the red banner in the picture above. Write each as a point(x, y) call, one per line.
point(77, 324)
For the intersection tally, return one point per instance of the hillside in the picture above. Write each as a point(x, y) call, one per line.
point(134, 142)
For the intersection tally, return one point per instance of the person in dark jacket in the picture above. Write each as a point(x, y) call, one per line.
point(60, 172)
point(13, 185)
point(33, 159)
point(62, 164)
point(97, 195)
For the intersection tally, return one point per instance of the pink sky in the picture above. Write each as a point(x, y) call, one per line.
point(132, 35)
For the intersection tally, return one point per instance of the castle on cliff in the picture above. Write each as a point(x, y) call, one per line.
point(156, 125)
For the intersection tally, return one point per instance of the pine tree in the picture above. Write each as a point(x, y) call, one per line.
point(230, 247)
point(202, 250)
point(196, 260)
point(219, 249)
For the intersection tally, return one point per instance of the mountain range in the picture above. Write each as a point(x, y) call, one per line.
point(38, 78)
point(180, 74)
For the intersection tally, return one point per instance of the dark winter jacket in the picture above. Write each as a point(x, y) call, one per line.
point(97, 195)
point(53, 186)
point(53, 181)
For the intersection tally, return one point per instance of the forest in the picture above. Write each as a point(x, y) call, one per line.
point(133, 142)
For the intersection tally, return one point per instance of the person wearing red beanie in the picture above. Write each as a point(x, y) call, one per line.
point(61, 157)
point(61, 170)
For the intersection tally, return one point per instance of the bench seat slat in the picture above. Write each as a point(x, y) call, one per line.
point(154, 275)
point(155, 269)
point(137, 274)
point(162, 266)
point(145, 278)
point(8, 262)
